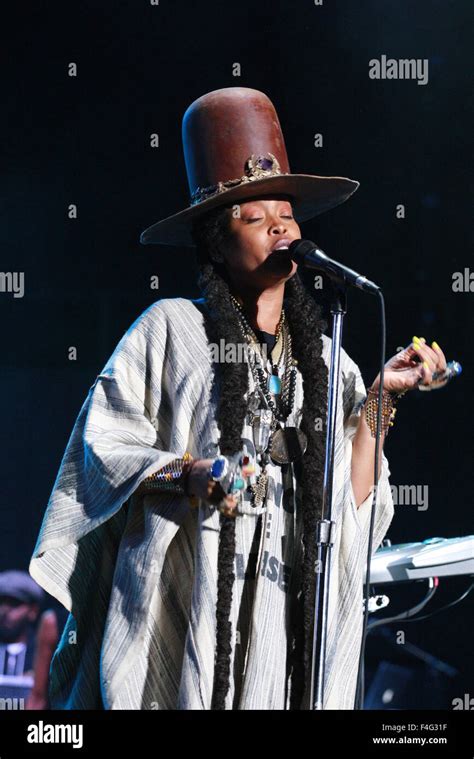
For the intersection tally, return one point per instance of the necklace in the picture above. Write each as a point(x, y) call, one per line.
point(279, 395)
point(281, 444)
point(249, 332)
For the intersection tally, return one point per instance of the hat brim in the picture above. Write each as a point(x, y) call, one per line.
point(311, 196)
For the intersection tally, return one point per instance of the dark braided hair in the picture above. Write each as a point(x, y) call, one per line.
point(306, 325)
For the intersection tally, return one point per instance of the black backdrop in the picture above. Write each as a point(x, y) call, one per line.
point(85, 140)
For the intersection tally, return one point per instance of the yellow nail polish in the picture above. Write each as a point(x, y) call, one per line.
point(426, 364)
point(422, 339)
point(435, 346)
point(415, 339)
point(416, 346)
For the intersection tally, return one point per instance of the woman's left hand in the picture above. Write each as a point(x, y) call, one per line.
point(413, 366)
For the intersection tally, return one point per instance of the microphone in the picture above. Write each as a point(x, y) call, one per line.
point(440, 379)
point(307, 253)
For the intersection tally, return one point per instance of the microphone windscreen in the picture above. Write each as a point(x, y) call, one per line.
point(299, 248)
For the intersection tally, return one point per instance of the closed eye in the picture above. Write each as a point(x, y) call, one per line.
point(259, 218)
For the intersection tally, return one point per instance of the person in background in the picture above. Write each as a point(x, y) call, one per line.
point(50, 626)
point(28, 637)
point(20, 605)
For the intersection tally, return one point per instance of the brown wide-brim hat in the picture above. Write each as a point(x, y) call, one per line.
point(234, 150)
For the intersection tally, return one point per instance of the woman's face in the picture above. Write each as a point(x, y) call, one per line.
point(255, 229)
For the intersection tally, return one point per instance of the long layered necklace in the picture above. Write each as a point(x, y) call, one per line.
point(271, 403)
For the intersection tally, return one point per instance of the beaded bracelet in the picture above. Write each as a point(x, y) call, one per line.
point(388, 410)
point(172, 477)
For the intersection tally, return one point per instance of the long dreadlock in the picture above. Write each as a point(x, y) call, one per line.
point(306, 326)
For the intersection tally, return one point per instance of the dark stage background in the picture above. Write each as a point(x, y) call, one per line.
point(86, 141)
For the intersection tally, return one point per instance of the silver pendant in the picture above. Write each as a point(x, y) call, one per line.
point(259, 490)
point(253, 402)
point(288, 444)
point(261, 429)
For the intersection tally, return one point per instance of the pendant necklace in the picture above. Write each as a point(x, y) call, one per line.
point(271, 404)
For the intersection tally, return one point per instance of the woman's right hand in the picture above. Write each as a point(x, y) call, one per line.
point(199, 485)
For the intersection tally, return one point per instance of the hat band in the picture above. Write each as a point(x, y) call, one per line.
point(256, 167)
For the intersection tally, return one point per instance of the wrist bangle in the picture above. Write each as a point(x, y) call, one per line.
point(172, 477)
point(388, 410)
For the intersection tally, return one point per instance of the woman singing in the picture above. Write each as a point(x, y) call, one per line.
point(180, 532)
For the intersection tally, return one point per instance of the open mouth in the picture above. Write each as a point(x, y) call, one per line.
point(281, 245)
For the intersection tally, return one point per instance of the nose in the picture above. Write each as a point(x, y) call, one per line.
point(278, 226)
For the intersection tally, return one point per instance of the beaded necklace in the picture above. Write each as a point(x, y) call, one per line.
point(271, 385)
point(271, 439)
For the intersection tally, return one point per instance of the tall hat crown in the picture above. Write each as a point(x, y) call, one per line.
point(234, 150)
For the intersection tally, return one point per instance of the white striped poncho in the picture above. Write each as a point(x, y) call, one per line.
point(139, 573)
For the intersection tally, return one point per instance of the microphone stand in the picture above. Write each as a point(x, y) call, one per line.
point(326, 526)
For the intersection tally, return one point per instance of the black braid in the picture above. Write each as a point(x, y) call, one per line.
point(230, 419)
point(306, 326)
